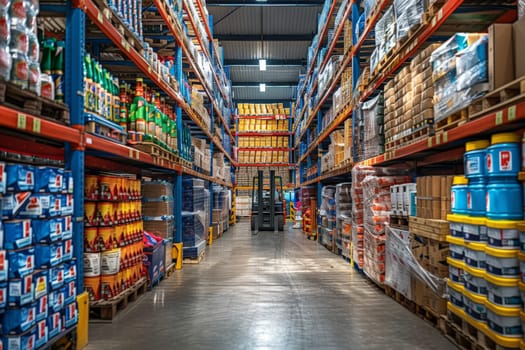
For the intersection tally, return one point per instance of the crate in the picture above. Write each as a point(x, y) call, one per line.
point(154, 263)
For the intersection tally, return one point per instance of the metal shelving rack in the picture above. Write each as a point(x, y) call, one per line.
point(33, 135)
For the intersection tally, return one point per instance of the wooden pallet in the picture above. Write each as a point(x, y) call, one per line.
point(503, 96)
point(108, 309)
point(193, 261)
point(169, 270)
point(452, 121)
point(96, 125)
point(429, 228)
point(155, 150)
point(27, 101)
point(466, 336)
point(399, 221)
point(121, 27)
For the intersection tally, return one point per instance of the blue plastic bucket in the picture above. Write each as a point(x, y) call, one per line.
point(503, 156)
point(18, 234)
point(459, 193)
point(474, 159)
point(504, 200)
point(477, 197)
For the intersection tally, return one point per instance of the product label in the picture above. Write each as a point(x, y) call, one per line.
point(40, 286)
point(487, 202)
point(15, 288)
point(2, 297)
point(3, 265)
point(505, 161)
point(473, 166)
point(453, 199)
point(490, 166)
point(43, 305)
point(42, 329)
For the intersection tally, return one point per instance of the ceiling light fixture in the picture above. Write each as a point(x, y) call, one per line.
point(262, 64)
point(262, 87)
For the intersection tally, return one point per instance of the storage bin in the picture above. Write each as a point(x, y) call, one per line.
point(455, 292)
point(475, 281)
point(503, 291)
point(475, 229)
point(503, 155)
point(503, 262)
point(504, 321)
point(503, 234)
point(475, 306)
point(475, 255)
point(456, 247)
point(458, 195)
point(456, 270)
point(477, 197)
point(457, 224)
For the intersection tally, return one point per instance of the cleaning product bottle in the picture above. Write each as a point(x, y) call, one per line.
point(124, 104)
point(88, 83)
point(116, 100)
point(58, 70)
point(138, 110)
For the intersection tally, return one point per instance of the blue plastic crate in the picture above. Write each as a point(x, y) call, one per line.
point(154, 262)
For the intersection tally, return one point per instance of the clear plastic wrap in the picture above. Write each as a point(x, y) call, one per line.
point(408, 14)
point(390, 38)
point(373, 119)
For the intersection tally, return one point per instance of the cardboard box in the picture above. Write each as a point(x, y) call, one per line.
point(501, 56)
point(518, 32)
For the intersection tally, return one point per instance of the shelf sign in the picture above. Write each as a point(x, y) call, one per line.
point(429, 142)
point(36, 125)
point(445, 136)
point(499, 118)
point(100, 18)
point(21, 121)
point(512, 113)
point(438, 139)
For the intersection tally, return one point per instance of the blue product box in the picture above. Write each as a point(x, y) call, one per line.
point(49, 179)
point(20, 177)
point(40, 283)
point(18, 234)
point(66, 206)
point(12, 203)
point(70, 271)
point(48, 255)
point(70, 315)
point(21, 291)
point(56, 300)
point(4, 266)
point(41, 333)
point(68, 181)
point(54, 324)
point(3, 178)
point(56, 277)
point(42, 308)
point(24, 341)
point(67, 227)
point(67, 250)
point(19, 319)
point(21, 262)
point(1, 230)
point(70, 290)
point(154, 262)
point(47, 230)
point(42, 205)
point(3, 295)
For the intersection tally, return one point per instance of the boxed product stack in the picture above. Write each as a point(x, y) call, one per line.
point(338, 144)
point(385, 38)
point(327, 219)
point(486, 248)
point(243, 206)
point(343, 198)
point(38, 271)
point(347, 139)
point(113, 230)
point(372, 113)
point(195, 217)
point(308, 206)
point(433, 197)
point(155, 253)
point(408, 15)
point(158, 210)
point(403, 105)
point(403, 198)
point(220, 210)
point(376, 216)
point(328, 160)
point(262, 109)
point(359, 173)
point(460, 73)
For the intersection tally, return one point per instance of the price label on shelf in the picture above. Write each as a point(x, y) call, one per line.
point(438, 139)
point(445, 136)
point(429, 142)
point(100, 17)
point(21, 121)
point(512, 113)
point(499, 118)
point(36, 125)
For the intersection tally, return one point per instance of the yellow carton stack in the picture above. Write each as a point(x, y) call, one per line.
point(348, 139)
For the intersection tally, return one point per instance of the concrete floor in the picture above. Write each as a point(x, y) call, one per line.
point(269, 291)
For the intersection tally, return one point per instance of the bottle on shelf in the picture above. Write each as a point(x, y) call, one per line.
point(116, 99)
point(58, 70)
point(124, 105)
point(138, 110)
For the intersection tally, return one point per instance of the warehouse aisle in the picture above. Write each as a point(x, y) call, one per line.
point(270, 291)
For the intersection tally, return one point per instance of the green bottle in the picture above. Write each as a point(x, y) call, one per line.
point(158, 117)
point(108, 80)
point(124, 105)
point(48, 50)
point(101, 91)
point(173, 135)
point(137, 111)
point(58, 70)
point(116, 100)
point(96, 87)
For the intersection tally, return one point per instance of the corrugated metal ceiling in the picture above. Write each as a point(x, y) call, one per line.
point(252, 50)
point(272, 74)
point(272, 93)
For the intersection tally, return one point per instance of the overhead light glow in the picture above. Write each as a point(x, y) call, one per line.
point(262, 64)
point(262, 87)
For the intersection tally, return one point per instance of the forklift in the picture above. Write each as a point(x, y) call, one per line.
point(267, 212)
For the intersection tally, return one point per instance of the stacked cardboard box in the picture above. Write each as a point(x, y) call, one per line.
point(263, 124)
point(433, 197)
point(158, 208)
point(262, 109)
point(347, 139)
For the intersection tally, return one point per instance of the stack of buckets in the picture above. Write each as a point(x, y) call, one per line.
point(484, 264)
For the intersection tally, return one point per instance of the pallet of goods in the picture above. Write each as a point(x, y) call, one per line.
point(344, 218)
point(195, 218)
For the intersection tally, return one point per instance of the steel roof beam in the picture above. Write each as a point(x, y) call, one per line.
point(241, 62)
point(265, 37)
point(264, 3)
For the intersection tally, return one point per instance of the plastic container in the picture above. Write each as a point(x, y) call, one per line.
point(522, 293)
point(457, 249)
point(503, 156)
point(475, 281)
point(475, 306)
point(459, 195)
point(457, 224)
point(504, 321)
point(521, 228)
point(474, 158)
point(455, 292)
point(503, 234)
point(503, 291)
point(475, 229)
point(477, 197)
point(475, 255)
point(504, 200)
point(503, 263)
point(456, 270)
point(17, 234)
